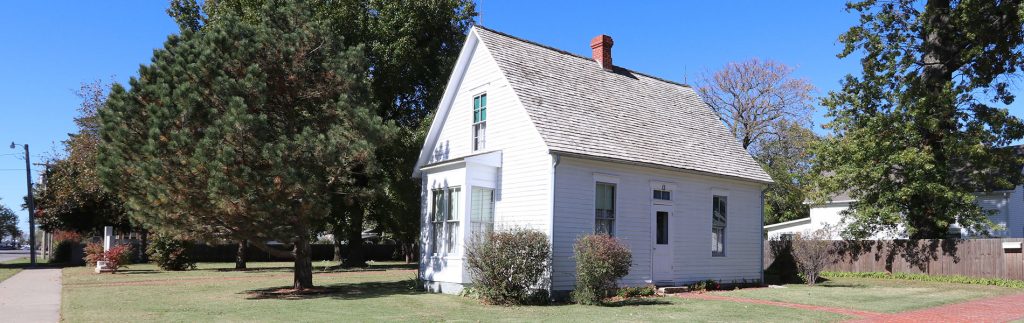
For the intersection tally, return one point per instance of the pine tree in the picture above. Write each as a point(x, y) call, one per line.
point(244, 130)
point(411, 47)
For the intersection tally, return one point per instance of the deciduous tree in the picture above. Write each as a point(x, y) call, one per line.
point(8, 223)
point(916, 133)
point(768, 109)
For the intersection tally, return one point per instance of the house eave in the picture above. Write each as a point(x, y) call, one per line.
point(658, 166)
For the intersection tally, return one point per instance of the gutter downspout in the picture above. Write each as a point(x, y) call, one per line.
point(555, 160)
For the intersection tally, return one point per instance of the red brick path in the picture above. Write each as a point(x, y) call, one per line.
point(996, 309)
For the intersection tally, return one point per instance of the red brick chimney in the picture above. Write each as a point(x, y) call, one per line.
point(601, 47)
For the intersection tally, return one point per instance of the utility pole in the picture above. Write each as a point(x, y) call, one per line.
point(31, 207)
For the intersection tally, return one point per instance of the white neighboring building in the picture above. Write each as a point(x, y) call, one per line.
point(1008, 207)
point(531, 136)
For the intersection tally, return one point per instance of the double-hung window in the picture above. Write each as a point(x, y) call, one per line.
point(444, 217)
point(604, 209)
point(718, 221)
point(452, 220)
point(482, 212)
point(437, 216)
point(479, 121)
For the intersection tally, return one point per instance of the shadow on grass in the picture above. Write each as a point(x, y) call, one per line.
point(137, 271)
point(343, 291)
point(636, 302)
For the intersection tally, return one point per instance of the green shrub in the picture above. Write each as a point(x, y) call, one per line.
point(642, 291)
point(704, 285)
point(62, 251)
point(957, 279)
point(171, 254)
point(507, 265)
point(601, 261)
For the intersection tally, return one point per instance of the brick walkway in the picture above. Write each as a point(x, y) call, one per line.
point(996, 309)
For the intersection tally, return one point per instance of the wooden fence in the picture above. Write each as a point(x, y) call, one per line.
point(975, 257)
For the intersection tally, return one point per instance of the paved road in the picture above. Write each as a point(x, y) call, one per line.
point(31, 295)
point(6, 255)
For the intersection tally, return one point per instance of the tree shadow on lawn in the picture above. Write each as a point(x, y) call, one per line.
point(645, 301)
point(342, 291)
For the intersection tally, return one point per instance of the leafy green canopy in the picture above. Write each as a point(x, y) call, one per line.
point(242, 130)
point(916, 134)
point(72, 197)
point(8, 223)
point(411, 47)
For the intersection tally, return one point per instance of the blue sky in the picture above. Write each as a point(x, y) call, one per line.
point(50, 48)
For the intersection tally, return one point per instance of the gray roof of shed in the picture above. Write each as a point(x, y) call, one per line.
point(581, 109)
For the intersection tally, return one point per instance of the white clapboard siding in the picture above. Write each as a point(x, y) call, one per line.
point(691, 222)
point(523, 195)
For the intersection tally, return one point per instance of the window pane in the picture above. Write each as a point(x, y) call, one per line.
point(483, 100)
point(453, 204)
point(483, 114)
point(604, 208)
point(483, 211)
point(718, 223)
point(662, 228)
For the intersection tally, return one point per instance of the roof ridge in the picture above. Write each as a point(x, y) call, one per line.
point(562, 51)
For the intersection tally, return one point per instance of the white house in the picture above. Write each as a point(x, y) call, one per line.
point(1007, 207)
point(531, 136)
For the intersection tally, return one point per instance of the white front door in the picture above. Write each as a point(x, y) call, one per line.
point(662, 244)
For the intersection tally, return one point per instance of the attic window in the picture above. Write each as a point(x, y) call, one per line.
point(479, 121)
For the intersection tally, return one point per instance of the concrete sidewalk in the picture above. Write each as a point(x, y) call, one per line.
point(32, 295)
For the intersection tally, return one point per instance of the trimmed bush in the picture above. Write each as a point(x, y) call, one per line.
point(118, 256)
point(642, 291)
point(63, 243)
point(507, 265)
point(601, 261)
point(93, 253)
point(62, 251)
point(705, 285)
point(171, 254)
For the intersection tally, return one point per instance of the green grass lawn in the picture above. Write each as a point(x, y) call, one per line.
point(875, 295)
point(216, 293)
point(11, 267)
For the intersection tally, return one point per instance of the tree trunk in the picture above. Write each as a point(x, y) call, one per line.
point(144, 244)
point(338, 236)
point(303, 264)
point(355, 239)
point(243, 245)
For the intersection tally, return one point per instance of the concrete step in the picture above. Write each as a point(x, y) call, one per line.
point(673, 290)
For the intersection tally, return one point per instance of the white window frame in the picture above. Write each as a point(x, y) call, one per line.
point(663, 186)
point(452, 220)
point(479, 135)
point(479, 227)
point(445, 229)
point(437, 215)
point(614, 181)
point(719, 232)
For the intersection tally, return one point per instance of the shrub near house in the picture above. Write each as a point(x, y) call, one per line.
point(600, 261)
point(507, 266)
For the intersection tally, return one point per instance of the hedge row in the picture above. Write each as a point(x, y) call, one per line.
point(929, 278)
point(71, 253)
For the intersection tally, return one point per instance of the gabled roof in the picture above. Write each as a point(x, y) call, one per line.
point(581, 109)
point(621, 115)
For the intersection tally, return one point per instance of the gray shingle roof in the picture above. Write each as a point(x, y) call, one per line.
point(581, 109)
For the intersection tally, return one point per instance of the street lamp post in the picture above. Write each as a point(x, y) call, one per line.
point(31, 207)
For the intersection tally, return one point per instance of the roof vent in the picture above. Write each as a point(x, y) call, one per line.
point(601, 47)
